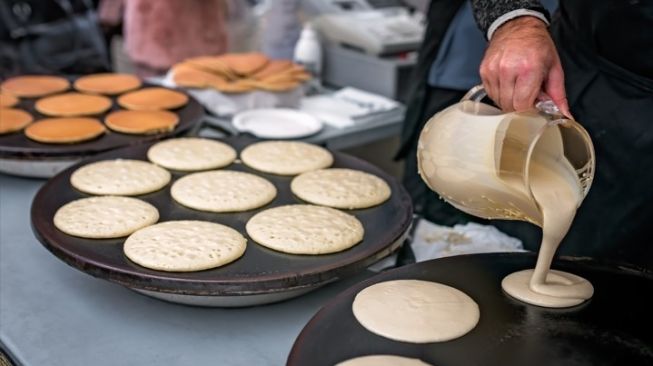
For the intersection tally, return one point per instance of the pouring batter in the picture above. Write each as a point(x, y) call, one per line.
point(558, 195)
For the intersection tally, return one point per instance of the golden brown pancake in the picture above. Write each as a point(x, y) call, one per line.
point(277, 86)
point(213, 64)
point(65, 130)
point(189, 76)
point(30, 86)
point(238, 86)
point(245, 64)
point(7, 100)
point(141, 122)
point(73, 104)
point(107, 83)
point(152, 99)
point(272, 68)
point(12, 120)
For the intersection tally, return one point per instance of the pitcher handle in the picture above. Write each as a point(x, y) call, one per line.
point(475, 94)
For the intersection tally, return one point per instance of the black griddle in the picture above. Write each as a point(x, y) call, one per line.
point(17, 146)
point(613, 328)
point(259, 271)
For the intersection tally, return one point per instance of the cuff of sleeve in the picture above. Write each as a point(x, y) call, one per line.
point(512, 15)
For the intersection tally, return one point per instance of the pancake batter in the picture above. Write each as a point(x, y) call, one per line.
point(558, 195)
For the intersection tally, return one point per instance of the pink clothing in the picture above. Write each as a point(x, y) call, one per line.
point(161, 33)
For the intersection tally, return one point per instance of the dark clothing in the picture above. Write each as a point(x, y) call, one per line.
point(487, 11)
point(610, 96)
point(616, 107)
point(424, 102)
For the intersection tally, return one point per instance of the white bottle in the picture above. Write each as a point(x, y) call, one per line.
point(308, 52)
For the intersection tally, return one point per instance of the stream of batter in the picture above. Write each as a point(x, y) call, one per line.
point(555, 188)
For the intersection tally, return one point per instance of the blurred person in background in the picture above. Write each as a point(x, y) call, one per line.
point(160, 33)
point(50, 37)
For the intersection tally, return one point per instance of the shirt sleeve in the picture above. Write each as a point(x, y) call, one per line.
point(491, 14)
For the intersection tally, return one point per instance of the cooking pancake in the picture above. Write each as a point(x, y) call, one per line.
point(152, 99)
point(119, 177)
point(382, 360)
point(31, 86)
point(7, 100)
point(185, 246)
point(340, 188)
point(189, 153)
point(415, 311)
point(104, 217)
point(65, 130)
point(223, 191)
point(286, 157)
point(245, 64)
point(305, 229)
point(107, 83)
point(141, 122)
point(73, 104)
point(12, 120)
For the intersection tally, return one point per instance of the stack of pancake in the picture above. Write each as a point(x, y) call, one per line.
point(239, 73)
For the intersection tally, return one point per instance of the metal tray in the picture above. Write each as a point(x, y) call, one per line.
point(613, 328)
point(261, 275)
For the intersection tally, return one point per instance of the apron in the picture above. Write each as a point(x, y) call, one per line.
point(612, 96)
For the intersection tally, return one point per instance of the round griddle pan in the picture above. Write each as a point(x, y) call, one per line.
point(258, 273)
point(613, 328)
point(21, 156)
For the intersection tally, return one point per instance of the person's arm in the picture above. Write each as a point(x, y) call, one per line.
point(521, 61)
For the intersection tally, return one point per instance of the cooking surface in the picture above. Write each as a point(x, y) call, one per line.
point(17, 145)
point(260, 270)
point(613, 328)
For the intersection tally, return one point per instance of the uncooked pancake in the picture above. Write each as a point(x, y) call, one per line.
point(189, 153)
point(223, 191)
point(107, 83)
point(153, 99)
point(7, 100)
point(286, 157)
point(185, 246)
point(141, 122)
point(382, 360)
point(569, 289)
point(31, 86)
point(12, 120)
point(305, 229)
point(73, 104)
point(415, 311)
point(120, 177)
point(340, 188)
point(104, 217)
point(65, 130)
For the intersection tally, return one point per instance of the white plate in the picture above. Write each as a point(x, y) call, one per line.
point(277, 123)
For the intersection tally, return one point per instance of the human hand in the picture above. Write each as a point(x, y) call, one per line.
point(520, 64)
